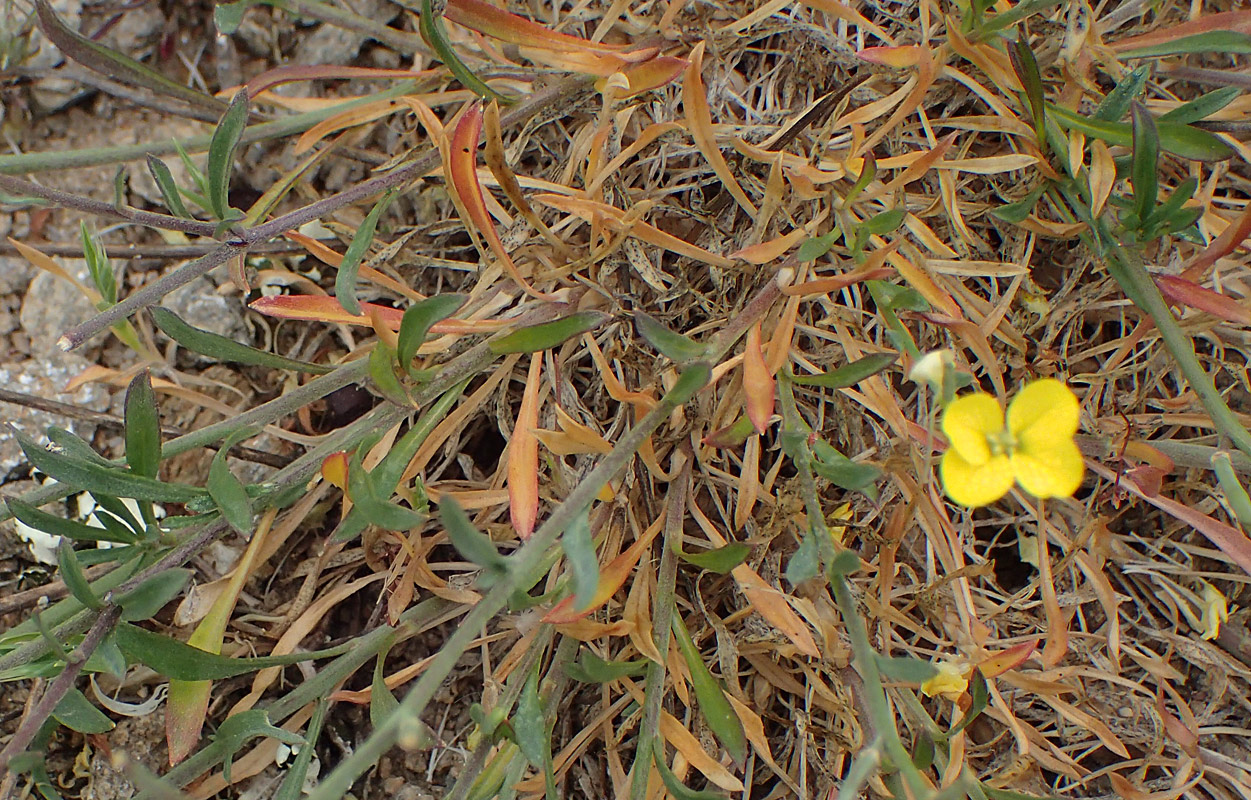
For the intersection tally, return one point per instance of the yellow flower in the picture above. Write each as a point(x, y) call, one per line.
point(1035, 448)
point(1215, 611)
point(951, 681)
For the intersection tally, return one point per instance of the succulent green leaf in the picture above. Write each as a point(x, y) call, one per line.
point(89, 476)
point(590, 668)
point(717, 711)
point(674, 346)
point(349, 268)
point(1145, 163)
point(1115, 106)
point(848, 374)
point(905, 669)
point(143, 427)
point(229, 494)
point(221, 348)
point(1223, 42)
point(579, 549)
point(221, 154)
point(417, 321)
point(534, 338)
point(719, 560)
point(470, 542)
point(76, 712)
point(149, 597)
point(74, 577)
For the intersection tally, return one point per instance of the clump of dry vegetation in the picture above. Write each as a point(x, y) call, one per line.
point(620, 410)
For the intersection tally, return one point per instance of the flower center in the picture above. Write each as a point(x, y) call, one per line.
point(1001, 442)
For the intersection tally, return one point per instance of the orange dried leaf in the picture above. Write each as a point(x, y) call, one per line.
point(334, 468)
point(523, 456)
point(1187, 293)
point(899, 56)
point(758, 383)
point(1004, 660)
point(611, 578)
point(462, 175)
point(319, 308)
point(699, 121)
point(771, 604)
point(498, 24)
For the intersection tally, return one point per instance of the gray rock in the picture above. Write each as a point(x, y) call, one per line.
point(15, 274)
point(52, 306)
point(45, 379)
point(199, 304)
point(330, 44)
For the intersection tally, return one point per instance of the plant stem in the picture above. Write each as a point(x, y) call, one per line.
point(59, 687)
point(100, 208)
point(662, 616)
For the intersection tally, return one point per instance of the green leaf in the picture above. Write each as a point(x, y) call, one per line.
point(899, 298)
point(843, 564)
point(692, 379)
point(1223, 42)
point(431, 27)
point(841, 471)
point(905, 669)
point(98, 265)
point(243, 727)
point(197, 177)
point(148, 598)
point(417, 321)
point(221, 348)
point(108, 658)
point(221, 154)
point(867, 173)
point(579, 550)
point(143, 427)
point(674, 346)
point(1145, 164)
point(720, 560)
point(382, 702)
point(1203, 106)
point(119, 510)
point(817, 246)
point(228, 16)
point(675, 787)
point(923, 751)
point(374, 501)
point(345, 280)
point(77, 713)
point(74, 447)
point(805, 563)
point(292, 787)
point(717, 711)
point(175, 659)
point(1018, 211)
point(1116, 105)
point(89, 476)
point(1181, 140)
point(74, 578)
point(979, 694)
point(470, 542)
point(1026, 68)
point(112, 64)
point(382, 375)
point(228, 493)
point(529, 726)
point(849, 374)
point(59, 526)
point(1173, 205)
point(533, 338)
point(590, 668)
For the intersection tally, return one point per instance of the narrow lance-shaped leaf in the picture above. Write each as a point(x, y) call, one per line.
point(349, 268)
point(1203, 106)
point(176, 659)
point(222, 348)
point(67, 528)
point(417, 320)
point(1146, 161)
point(382, 375)
point(143, 427)
point(164, 180)
point(675, 787)
point(104, 480)
point(221, 154)
point(1181, 140)
point(470, 542)
point(1026, 68)
point(1113, 107)
point(77, 713)
point(758, 384)
point(674, 346)
point(431, 27)
point(75, 579)
point(112, 64)
point(848, 374)
point(523, 456)
point(721, 560)
point(229, 494)
point(98, 267)
point(717, 711)
point(546, 335)
point(579, 550)
point(149, 597)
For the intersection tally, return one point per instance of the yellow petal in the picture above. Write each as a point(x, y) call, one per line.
point(967, 421)
point(1053, 470)
point(1215, 611)
point(1042, 412)
point(950, 682)
point(975, 484)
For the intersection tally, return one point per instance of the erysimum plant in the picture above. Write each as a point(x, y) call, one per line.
point(1033, 446)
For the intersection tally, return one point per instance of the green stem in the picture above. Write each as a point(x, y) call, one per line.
point(662, 616)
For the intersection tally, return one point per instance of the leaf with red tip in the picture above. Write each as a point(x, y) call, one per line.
point(498, 24)
point(1187, 293)
point(462, 175)
point(523, 456)
point(1004, 660)
point(319, 308)
point(758, 383)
